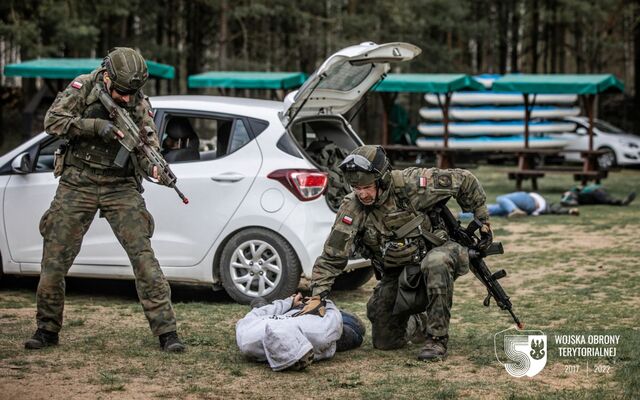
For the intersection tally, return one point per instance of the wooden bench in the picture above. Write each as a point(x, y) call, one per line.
point(534, 174)
point(521, 175)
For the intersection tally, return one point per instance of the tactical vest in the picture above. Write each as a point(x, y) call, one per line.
point(92, 150)
point(400, 236)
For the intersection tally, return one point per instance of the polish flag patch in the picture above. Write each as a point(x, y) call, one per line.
point(151, 113)
point(76, 85)
point(347, 220)
point(422, 182)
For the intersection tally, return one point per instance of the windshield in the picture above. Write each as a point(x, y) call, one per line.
point(606, 127)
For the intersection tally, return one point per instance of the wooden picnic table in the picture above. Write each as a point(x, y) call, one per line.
point(527, 168)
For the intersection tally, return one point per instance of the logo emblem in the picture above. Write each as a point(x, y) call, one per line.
point(396, 52)
point(444, 181)
point(525, 351)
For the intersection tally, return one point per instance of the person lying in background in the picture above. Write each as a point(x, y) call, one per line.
point(593, 193)
point(521, 204)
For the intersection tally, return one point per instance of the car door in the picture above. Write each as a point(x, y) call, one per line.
point(215, 183)
point(215, 178)
point(27, 197)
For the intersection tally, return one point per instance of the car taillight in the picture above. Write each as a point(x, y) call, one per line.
point(305, 184)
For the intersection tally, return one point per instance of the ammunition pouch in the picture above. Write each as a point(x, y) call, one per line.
point(412, 291)
point(400, 252)
point(72, 159)
point(59, 157)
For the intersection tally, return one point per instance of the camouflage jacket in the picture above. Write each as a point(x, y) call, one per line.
point(72, 116)
point(423, 187)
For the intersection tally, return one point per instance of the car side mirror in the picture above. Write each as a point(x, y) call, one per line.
point(582, 131)
point(22, 164)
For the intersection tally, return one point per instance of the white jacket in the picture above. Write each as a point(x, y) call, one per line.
point(272, 333)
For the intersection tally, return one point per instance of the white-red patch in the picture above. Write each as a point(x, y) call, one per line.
point(151, 113)
point(76, 85)
point(347, 220)
point(422, 182)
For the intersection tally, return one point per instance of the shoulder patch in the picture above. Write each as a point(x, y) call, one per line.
point(150, 112)
point(443, 181)
point(347, 220)
point(76, 85)
point(422, 181)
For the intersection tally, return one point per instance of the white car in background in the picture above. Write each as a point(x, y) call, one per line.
point(258, 215)
point(621, 148)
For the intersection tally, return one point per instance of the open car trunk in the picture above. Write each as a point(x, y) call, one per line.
point(326, 141)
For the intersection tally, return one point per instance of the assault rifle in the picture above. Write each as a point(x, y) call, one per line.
point(468, 238)
point(135, 138)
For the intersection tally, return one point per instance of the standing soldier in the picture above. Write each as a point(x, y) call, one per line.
point(90, 182)
point(390, 219)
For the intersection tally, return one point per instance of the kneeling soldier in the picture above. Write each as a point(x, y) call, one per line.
point(389, 218)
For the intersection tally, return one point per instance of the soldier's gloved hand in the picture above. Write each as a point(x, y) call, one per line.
point(314, 305)
point(486, 236)
point(105, 129)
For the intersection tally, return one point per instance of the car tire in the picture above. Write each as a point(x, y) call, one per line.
point(353, 279)
point(607, 160)
point(257, 262)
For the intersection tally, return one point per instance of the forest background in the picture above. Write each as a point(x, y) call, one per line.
point(466, 36)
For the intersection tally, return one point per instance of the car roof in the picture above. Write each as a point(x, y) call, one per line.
point(216, 103)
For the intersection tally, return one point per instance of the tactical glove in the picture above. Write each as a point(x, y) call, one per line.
point(486, 236)
point(105, 129)
point(314, 305)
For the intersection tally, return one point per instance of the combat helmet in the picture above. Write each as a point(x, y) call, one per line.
point(366, 165)
point(127, 69)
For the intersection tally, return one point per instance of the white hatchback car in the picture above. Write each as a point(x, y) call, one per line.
point(621, 148)
point(254, 173)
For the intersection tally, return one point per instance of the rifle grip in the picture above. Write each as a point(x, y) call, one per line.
point(121, 158)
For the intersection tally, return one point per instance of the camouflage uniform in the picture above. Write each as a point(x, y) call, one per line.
point(91, 182)
point(411, 192)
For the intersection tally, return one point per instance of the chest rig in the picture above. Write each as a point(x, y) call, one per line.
point(91, 150)
point(397, 233)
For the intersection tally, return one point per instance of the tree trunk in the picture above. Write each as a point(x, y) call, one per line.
point(224, 34)
point(636, 56)
point(503, 31)
point(535, 22)
point(515, 34)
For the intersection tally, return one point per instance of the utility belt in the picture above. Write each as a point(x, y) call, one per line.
point(72, 160)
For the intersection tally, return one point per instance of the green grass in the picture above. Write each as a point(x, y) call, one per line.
point(556, 284)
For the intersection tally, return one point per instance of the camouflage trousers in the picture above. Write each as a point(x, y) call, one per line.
point(440, 267)
point(79, 196)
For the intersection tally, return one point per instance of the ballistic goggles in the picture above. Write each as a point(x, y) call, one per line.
point(357, 163)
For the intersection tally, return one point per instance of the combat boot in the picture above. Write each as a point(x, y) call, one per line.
point(170, 343)
point(303, 362)
point(42, 338)
point(435, 348)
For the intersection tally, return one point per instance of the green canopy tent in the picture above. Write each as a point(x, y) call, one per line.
point(442, 84)
point(69, 68)
point(587, 86)
point(57, 70)
point(222, 80)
